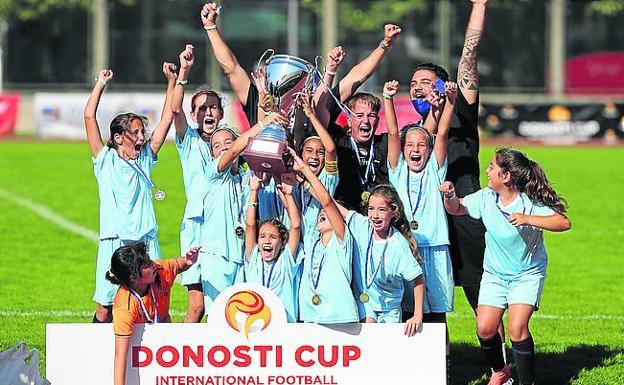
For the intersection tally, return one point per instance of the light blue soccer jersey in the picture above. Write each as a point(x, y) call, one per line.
point(126, 208)
point(224, 210)
point(270, 205)
point(428, 210)
point(195, 155)
point(509, 251)
point(311, 208)
point(327, 273)
point(280, 275)
point(389, 263)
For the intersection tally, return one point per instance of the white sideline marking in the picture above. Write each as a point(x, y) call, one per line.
point(89, 314)
point(50, 215)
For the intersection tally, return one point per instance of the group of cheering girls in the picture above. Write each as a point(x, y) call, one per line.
point(328, 260)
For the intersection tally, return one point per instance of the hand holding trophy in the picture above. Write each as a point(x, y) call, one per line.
point(284, 78)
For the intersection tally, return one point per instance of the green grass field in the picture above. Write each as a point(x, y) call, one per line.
point(47, 273)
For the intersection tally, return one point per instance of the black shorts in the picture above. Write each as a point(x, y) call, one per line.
point(467, 236)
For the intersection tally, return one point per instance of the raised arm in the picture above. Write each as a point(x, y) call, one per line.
point(467, 76)
point(334, 59)
point(394, 140)
point(239, 80)
point(364, 69)
point(239, 144)
point(188, 259)
point(294, 233)
point(321, 130)
point(440, 147)
point(452, 203)
point(166, 117)
point(329, 204)
point(94, 137)
point(187, 58)
point(251, 227)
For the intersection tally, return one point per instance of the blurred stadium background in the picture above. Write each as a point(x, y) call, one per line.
point(549, 69)
point(551, 72)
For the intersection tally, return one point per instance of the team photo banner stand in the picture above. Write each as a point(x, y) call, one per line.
point(247, 341)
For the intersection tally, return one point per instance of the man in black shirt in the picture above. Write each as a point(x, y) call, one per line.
point(362, 155)
point(466, 234)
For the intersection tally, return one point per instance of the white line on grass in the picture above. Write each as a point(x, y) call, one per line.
point(50, 215)
point(89, 314)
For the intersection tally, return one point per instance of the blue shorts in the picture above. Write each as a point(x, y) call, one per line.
point(104, 290)
point(384, 316)
point(217, 274)
point(190, 231)
point(439, 283)
point(497, 292)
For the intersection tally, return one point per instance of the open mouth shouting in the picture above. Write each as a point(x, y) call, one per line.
point(267, 251)
point(209, 124)
point(416, 161)
point(315, 165)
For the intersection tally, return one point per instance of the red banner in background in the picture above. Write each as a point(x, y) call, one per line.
point(598, 73)
point(9, 107)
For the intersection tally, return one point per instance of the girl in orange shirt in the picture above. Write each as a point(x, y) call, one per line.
point(143, 296)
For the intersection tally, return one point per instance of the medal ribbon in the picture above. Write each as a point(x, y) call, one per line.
point(268, 283)
point(318, 275)
point(369, 254)
point(304, 204)
point(138, 170)
point(409, 193)
point(144, 309)
point(369, 163)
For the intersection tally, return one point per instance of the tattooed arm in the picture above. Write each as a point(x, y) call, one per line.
point(467, 77)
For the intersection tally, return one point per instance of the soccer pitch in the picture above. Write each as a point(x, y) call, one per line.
point(48, 266)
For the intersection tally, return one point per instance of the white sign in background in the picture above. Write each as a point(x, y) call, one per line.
point(281, 354)
point(61, 115)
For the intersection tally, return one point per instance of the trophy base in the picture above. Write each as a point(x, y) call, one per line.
point(268, 156)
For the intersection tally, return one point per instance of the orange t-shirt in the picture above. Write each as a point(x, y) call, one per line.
point(127, 309)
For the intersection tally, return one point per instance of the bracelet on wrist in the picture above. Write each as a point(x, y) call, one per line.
point(252, 204)
point(104, 82)
point(181, 82)
point(211, 27)
point(330, 73)
point(385, 46)
point(386, 96)
point(451, 197)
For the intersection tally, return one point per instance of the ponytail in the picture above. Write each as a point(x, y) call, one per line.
point(529, 177)
point(391, 196)
point(538, 189)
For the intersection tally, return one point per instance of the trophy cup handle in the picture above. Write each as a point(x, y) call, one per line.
point(262, 61)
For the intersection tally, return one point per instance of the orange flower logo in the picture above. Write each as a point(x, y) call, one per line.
point(250, 303)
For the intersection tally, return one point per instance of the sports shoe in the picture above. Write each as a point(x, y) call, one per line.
point(502, 377)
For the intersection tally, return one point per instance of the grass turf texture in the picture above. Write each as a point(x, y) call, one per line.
point(47, 272)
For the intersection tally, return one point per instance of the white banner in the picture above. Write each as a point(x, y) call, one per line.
point(61, 115)
point(247, 341)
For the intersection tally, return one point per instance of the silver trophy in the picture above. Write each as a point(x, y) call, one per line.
point(285, 78)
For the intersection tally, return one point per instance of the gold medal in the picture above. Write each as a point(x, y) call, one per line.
point(316, 300)
point(414, 225)
point(365, 195)
point(364, 297)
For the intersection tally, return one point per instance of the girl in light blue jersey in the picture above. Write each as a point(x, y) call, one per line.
point(223, 230)
point(325, 295)
point(271, 250)
point(194, 150)
point(518, 204)
point(416, 167)
point(123, 170)
point(386, 262)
